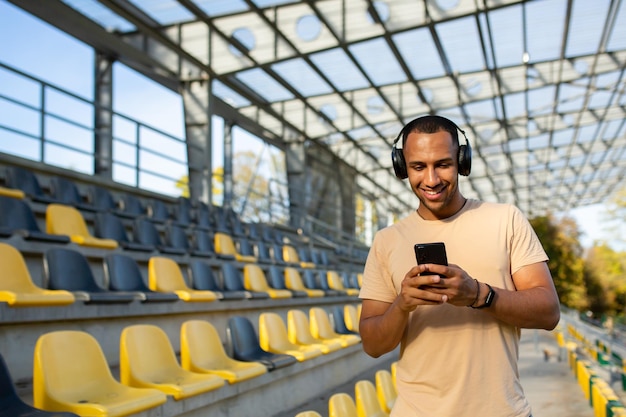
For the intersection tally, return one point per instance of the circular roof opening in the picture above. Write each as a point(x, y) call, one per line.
point(308, 27)
point(245, 37)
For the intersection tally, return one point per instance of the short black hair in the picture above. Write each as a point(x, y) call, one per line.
point(431, 124)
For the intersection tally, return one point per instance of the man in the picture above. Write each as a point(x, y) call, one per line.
point(459, 328)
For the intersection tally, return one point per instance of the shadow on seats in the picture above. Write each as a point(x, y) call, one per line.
point(16, 217)
point(17, 288)
point(67, 269)
point(246, 347)
point(65, 191)
point(70, 372)
point(11, 405)
point(123, 274)
point(25, 180)
point(201, 350)
point(147, 360)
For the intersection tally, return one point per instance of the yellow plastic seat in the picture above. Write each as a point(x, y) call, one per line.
point(394, 373)
point(254, 280)
point(293, 281)
point(66, 220)
point(335, 283)
point(366, 400)
point(308, 413)
point(164, 275)
point(290, 255)
point(201, 350)
point(224, 245)
point(70, 373)
point(273, 338)
point(12, 192)
point(351, 317)
point(321, 328)
point(299, 332)
point(385, 389)
point(341, 405)
point(147, 360)
point(16, 285)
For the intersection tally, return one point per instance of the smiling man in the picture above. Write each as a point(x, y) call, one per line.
point(458, 328)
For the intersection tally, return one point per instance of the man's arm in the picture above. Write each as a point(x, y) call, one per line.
point(382, 324)
point(534, 304)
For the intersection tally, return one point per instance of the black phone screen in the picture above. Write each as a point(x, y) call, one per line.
point(431, 253)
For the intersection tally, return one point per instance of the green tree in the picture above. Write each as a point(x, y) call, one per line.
point(606, 268)
point(561, 243)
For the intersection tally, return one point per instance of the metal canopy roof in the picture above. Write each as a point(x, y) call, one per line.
point(538, 86)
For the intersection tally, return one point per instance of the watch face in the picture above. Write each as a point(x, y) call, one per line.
point(490, 295)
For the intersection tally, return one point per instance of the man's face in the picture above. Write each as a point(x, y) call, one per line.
point(431, 160)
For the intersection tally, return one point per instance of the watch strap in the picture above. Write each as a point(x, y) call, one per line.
point(489, 299)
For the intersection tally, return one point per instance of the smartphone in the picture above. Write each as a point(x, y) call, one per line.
point(431, 253)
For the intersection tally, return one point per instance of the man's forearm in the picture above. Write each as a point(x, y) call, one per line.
point(382, 333)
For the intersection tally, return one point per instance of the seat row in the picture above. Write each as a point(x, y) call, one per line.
point(66, 223)
point(370, 399)
point(183, 213)
point(71, 373)
point(69, 277)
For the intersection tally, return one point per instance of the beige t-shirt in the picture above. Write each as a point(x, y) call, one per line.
point(457, 361)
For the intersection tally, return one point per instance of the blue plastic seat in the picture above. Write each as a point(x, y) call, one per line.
point(25, 180)
point(65, 191)
point(233, 281)
point(246, 345)
point(69, 270)
point(276, 279)
point(146, 233)
point(108, 226)
point(16, 217)
point(123, 274)
point(203, 278)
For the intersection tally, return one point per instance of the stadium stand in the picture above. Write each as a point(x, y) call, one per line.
point(233, 281)
point(385, 389)
point(299, 332)
point(66, 192)
point(108, 226)
point(276, 279)
point(225, 245)
point(273, 337)
point(342, 405)
point(26, 181)
point(366, 400)
point(321, 328)
point(164, 275)
point(203, 278)
point(67, 220)
point(254, 280)
point(16, 217)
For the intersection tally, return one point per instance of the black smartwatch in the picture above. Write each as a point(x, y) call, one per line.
point(489, 299)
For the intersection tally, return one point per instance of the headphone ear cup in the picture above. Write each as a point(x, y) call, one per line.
point(465, 160)
point(399, 165)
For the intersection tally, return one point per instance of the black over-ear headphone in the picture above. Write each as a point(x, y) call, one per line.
point(397, 156)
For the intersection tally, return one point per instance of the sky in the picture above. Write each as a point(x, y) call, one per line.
point(44, 52)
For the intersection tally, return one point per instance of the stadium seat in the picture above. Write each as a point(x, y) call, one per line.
point(66, 220)
point(293, 282)
point(16, 217)
point(351, 317)
point(108, 226)
point(176, 237)
point(264, 255)
point(201, 350)
point(273, 338)
point(290, 255)
point(102, 200)
point(164, 275)
point(313, 280)
point(366, 400)
point(335, 283)
point(339, 321)
point(203, 278)
point(132, 206)
point(70, 373)
point(276, 279)
point(146, 233)
point(385, 389)
point(254, 280)
point(204, 219)
point(321, 328)
point(181, 212)
point(308, 413)
point(17, 288)
point(224, 245)
point(148, 360)
point(202, 245)
point(11, 405)
point(394, 373)
point(341, 405)
point(246, 346)
point(271, 235)
point(25, 180)
point(123, 274)
point(233, 281)
point(65, 192)
point(69, 270)
point(12, 193)
point(158, 211)
point(299, 332)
